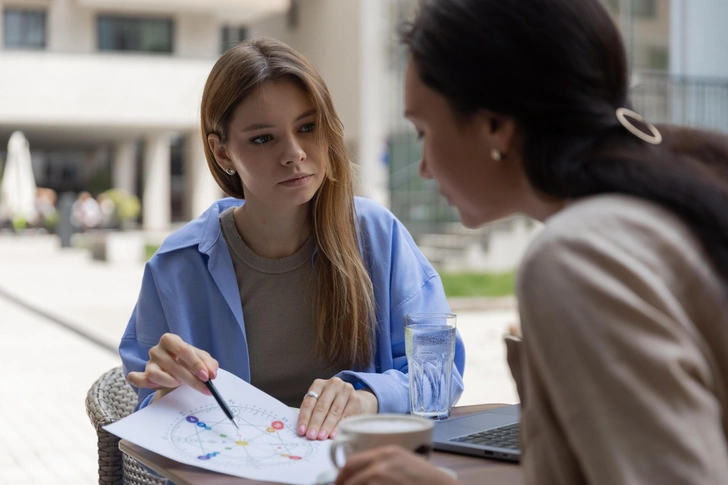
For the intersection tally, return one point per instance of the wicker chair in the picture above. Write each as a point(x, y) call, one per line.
point(110, 399)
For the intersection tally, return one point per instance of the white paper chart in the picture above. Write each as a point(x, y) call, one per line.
point(190, 428)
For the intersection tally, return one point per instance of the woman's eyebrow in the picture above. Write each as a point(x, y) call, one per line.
point(308, 113)
point(260, 126)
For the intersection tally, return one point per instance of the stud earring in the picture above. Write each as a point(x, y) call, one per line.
point(230, 171)
point(496, 155)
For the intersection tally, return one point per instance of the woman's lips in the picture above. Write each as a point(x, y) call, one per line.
point(297, 182)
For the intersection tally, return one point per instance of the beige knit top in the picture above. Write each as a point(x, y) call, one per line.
point(623, 369)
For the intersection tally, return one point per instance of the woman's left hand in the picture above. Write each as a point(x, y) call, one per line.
point(336, 400)
point(391, 465)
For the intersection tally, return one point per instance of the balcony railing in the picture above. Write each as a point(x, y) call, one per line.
point(682, 100)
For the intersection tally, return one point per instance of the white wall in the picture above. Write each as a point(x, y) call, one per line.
point(374, 98)
point(70, 28)
point(328, 34)
point(101, 90)
point(275, 26)
point(345, 41)
point(197, 36)
point(699, 41)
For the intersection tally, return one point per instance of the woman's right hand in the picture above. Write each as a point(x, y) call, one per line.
point(173, 362)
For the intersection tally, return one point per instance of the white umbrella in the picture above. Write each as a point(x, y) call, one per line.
point(17, 192)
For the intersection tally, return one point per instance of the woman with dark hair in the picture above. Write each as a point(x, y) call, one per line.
point(523, 107)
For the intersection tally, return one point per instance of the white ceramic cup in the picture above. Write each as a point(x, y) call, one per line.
point(360, 433)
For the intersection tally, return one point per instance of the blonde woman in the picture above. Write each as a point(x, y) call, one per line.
point(292, 284)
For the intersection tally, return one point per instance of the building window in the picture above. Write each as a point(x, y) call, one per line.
point(24, 29)
point(643, 9)
point(231, 36)
point(135, 34)
point(658, 58)
point(612, 6)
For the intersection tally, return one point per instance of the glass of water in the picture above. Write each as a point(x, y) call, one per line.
point(430, 346)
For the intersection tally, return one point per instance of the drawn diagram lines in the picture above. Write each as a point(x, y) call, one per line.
point(262, 440)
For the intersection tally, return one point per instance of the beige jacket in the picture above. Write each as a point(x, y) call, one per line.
point(623, 369)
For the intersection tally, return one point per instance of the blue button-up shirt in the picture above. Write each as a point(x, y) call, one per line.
point(190, 289)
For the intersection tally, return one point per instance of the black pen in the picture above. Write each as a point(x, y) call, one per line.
point(220, 401)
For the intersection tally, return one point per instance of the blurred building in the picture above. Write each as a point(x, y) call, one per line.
point(676, 49)
point(108, 91)
point(679, 64)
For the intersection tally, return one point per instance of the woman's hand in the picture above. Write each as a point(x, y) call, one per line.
point(336, 400)
point(391, 465)
point(173, 362)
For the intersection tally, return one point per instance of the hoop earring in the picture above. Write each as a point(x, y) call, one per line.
point(654, 138)
point(230, 171)
point(496, 155)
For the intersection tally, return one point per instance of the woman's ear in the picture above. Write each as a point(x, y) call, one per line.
point(499, 131)
point(219, 152)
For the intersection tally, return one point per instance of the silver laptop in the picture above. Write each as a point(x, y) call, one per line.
point(490, 434)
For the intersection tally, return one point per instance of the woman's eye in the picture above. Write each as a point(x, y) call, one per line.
point(308, 127)
point(259, 140)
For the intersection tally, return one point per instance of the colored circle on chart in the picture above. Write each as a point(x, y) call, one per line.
point(264, 447)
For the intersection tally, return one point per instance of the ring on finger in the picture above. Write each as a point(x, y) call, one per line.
point(312, 394)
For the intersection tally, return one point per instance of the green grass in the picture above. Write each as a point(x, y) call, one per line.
point(478, 284)
point(149, 250)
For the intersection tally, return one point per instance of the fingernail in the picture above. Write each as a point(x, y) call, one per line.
point(206, 392)
point(153, 385)
point(214, 374)
point(203, 375)
point(333, 434)
point(302, 430)
point(311, 434)
point(323, 434)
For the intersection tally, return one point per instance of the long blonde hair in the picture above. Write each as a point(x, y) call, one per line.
point(344, 315)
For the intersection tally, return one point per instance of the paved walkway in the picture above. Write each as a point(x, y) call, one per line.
point(61, 316)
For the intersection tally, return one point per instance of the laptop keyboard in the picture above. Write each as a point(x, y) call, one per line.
point(503, 437)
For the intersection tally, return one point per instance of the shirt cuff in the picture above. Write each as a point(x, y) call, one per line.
point(392, 394)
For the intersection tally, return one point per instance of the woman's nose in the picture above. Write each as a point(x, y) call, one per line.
point(424, 169)
point(294, 153)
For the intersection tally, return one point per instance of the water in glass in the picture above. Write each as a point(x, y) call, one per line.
point(430, 351)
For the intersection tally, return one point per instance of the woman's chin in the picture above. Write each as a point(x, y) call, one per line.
point(469, 221)
point(474, 221)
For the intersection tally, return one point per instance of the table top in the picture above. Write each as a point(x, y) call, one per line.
point(471, 470)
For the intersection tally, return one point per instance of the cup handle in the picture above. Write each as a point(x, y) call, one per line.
point(338, 443)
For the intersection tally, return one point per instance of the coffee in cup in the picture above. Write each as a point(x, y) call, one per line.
point(365, 432)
